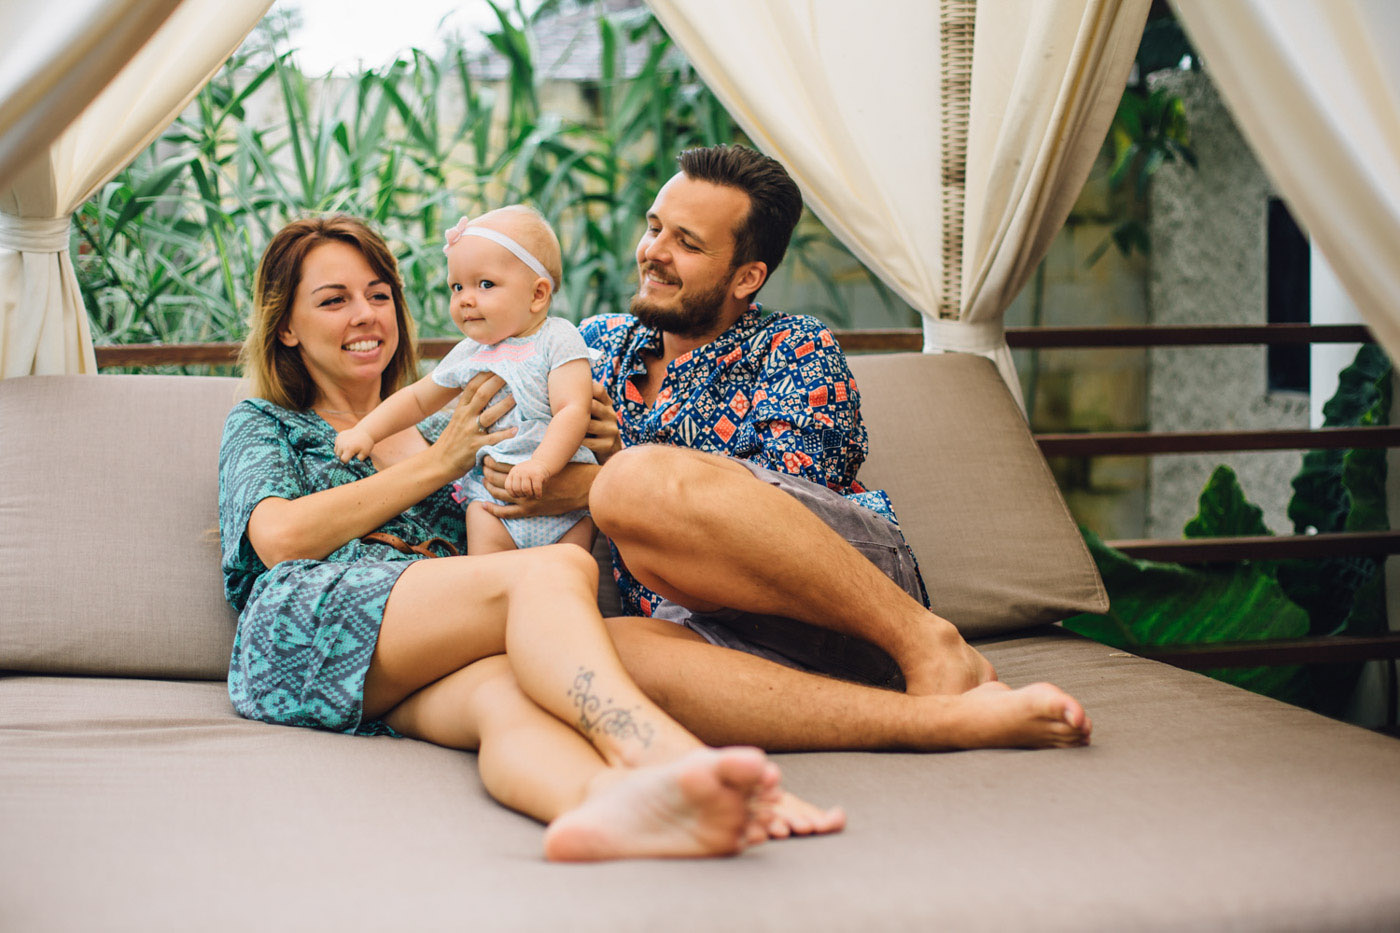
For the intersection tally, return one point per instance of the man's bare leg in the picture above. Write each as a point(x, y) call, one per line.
point(728, 697)
point(704, 532)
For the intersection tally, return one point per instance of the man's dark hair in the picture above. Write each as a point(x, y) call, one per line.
point(774, 201)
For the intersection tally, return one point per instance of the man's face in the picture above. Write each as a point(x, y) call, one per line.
point(685, 259)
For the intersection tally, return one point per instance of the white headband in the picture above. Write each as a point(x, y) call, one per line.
point(496, 236)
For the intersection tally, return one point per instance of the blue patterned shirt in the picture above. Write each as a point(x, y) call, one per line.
point(773, 389)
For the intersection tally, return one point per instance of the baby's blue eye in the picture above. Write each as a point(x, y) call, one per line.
point(486, 283)
point(453, 286)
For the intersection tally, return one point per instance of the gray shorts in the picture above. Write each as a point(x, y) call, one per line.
point(797, 644)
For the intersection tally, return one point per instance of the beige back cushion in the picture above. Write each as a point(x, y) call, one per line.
point(975, 498)
point(109, 557)
point(109, 554)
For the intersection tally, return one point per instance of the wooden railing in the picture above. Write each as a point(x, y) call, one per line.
point(1200, 550)
point(866, 341)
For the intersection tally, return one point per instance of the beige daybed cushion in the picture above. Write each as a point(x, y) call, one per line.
point(142, 805)
point(109, 559)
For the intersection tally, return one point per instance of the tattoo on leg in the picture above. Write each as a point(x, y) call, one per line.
point(598, 714)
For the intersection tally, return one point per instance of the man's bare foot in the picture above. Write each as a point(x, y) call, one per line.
point(995, 716)
point(793, 816)
point(945, 663)
point(705, 804)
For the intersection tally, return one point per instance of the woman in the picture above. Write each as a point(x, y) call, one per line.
point(503, 653)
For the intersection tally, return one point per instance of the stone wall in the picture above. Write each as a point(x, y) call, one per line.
point(1209, 266)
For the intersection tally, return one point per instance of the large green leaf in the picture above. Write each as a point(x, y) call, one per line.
point(1223, 510)
point(1320, 503)
point(1154, 604)
point(1342, 490)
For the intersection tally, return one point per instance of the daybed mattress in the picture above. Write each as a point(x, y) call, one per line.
point(147, 805)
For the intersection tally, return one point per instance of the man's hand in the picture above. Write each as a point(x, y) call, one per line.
point(526, 480)
point(567, 490)
point(602, 437)
point(354, 443)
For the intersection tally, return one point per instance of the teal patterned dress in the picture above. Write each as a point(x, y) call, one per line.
point(307, 628)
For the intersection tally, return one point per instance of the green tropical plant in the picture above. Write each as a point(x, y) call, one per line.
point(1149, 130)
point(1157, 604)
point(167, 250)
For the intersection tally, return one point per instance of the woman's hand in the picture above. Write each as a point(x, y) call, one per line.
point(465, 434)
point(313, 526)
point(602, 437)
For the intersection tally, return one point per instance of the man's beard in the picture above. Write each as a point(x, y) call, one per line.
point(697, 315)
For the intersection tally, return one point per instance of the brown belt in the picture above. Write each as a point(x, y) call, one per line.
point(423, 548)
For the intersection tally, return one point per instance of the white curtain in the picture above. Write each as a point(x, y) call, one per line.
point(56, 58)
point(43, 325)
point(853, 99)
point(1315, 87)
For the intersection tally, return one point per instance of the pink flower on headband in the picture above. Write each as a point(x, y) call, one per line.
point(455, 233)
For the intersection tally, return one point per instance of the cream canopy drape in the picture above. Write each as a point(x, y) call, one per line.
point(943, 142)
point(1315, 87)
point(43, 325)
point(54, 65)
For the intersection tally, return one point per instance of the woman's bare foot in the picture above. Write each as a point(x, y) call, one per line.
point(945, 663)
point(1038, 716)
point(705, 804)
point(793, 816)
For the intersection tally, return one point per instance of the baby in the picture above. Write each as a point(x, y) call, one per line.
point(503, 269)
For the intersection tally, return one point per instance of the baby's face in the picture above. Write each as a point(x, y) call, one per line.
point(491, 291)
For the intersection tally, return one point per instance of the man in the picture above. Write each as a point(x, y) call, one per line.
point(716, 553)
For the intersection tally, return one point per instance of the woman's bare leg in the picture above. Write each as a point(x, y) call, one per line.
point(539, 607)
point(541, 604)
point(703, 804)
point(565, 661)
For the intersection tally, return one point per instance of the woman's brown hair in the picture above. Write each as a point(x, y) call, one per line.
point(276, 371)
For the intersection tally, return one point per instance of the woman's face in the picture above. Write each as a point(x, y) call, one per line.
point(343, 319)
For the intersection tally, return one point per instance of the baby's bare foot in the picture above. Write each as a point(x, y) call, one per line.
point(1039, 716)
point(704, 804)
point(793, 816)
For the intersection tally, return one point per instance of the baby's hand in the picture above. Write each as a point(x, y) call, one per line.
point(526, 480)
point(355, 443)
